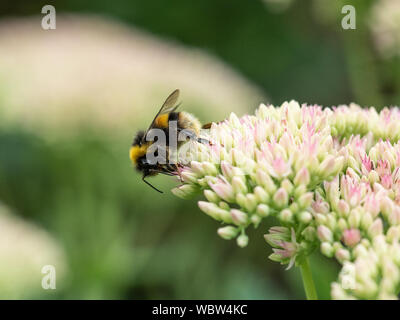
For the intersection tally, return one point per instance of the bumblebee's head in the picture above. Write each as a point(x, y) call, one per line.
point(137, 150)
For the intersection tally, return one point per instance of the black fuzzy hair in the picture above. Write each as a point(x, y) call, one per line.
point(138, 138)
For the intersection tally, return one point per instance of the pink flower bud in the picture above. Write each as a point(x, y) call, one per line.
point(320, 206)
point(224, 190)
point(351, 237)
point(279, 168)
point(386, 181)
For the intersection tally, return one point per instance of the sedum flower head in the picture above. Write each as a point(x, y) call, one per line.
point(329, 176)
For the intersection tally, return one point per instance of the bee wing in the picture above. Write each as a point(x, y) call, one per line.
point(167, 107)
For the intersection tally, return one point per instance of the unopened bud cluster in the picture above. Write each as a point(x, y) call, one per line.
point(325, 174)
point(360, 221)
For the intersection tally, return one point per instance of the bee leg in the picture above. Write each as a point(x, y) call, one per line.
point(166, 173)
point(192, 135)
point(203, 141)
point(148, 183)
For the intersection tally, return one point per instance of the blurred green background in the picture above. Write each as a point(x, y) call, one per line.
point(72, 98)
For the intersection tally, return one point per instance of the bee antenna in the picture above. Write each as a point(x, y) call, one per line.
point(148, 183)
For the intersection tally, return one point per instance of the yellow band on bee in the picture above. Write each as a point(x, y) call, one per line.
point(162, 121)
point(135, 152)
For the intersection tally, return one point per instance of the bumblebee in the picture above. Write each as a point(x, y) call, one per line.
point(140, 146)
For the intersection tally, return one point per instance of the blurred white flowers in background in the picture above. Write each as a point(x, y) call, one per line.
point(277, 6)
point(93, 71)
point(24, 250)
point(385, 26)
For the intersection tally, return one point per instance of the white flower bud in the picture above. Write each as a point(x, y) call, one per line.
point(376, 228)
point(186, 191)
point(342, 224)
point(327, 249)
point(242, 240)
point(251, 202)
point(299, 191)
point(227, 232)
point(287, 185)
point(261, 195)
point(305, 200)
point(255, 220)
point(212, 210)
point(189, 176)
point(309, 234)
point(263, 210)
point(211, 196)
point(239, 185)
point(224, 205)
point(366, 220)
point(286, 215)
point(320, 218)
point(281, 198)
point(209, 168)
point(266, 181)
point(373, 177)
point(304, 217)
point(354, 218)
point(241, 200)
point(342, 255)
point(393, 234)
point(197, 168)
point(343, 208)
point(324, 234)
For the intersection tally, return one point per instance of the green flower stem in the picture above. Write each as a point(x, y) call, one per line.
point(308, 281)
